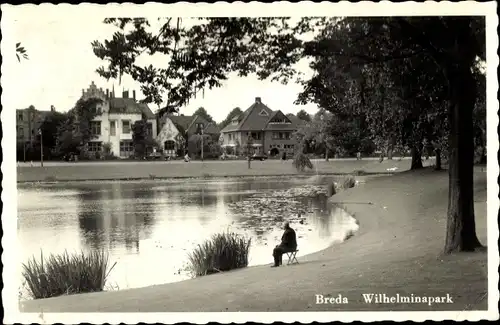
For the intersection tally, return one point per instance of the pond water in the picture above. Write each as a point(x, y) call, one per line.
point(150, 227)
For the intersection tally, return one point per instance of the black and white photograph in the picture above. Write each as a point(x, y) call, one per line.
point(235, 162)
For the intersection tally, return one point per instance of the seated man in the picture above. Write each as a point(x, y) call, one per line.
point(288, 244)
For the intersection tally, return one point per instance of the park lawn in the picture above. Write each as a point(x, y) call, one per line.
point(131, 170)
point(397, 250)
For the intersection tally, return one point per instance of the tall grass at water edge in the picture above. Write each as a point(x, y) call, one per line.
point(65, 273)
point(343, 183)
point(223, 252)
point(301, 161)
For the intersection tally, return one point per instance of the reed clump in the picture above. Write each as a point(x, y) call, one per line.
point(64, 274)
point(223, 252)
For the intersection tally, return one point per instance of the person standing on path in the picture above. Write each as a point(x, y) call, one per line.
point(288, 244)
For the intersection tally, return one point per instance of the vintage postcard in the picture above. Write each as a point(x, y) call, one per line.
point(249, 162)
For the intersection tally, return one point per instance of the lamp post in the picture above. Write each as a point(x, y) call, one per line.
point(202, 143)
point(41, 147)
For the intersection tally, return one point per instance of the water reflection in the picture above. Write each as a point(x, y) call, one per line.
point(149, 227)
point(116, 215)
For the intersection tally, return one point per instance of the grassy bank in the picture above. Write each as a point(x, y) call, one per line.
point(396, 251)
point(178, 169)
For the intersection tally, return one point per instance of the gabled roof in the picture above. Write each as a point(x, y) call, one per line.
point(253, 119)
point(280, 126)
point(181, 120)
point(188, 123)
point(129, 106)
point(295, 120)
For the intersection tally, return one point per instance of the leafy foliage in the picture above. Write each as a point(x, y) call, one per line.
point(50, 127)
point(223, 252)
point(75, 132)
point(199, 56)
point(304, 116)
point(66, 274)
point(142, 137)
point(234, 113)
point(201, 111)
point(21, 52)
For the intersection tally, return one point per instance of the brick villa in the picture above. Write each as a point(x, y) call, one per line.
point(271, 131)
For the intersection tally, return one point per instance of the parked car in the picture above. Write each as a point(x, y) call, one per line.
point(157, 156)
point(259, 156)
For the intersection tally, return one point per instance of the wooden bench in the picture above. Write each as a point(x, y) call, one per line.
point(292, 257)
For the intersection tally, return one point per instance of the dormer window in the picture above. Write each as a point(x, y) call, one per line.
point(280, 121)
point(263, 112)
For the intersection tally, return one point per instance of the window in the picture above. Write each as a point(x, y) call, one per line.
point(230, 137)
point(20, 132)
point(169, 145)
point(126, 127)
point(263, 113)
point(20, 116)
point(275, 135)
point(199, 128)
point(149, 129)
point(126, 148)
point(95, 146)
point(112, 127)
point(256, 135)
point(95, 127)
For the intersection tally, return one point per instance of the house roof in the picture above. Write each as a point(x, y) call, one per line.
point(188, 122)
point(129, 106)
point(257, 117)
point(295, 120)
point(181, 120)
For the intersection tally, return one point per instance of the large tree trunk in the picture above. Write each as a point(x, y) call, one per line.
point(461, 226)
point(438, 159)
point(416, 158)
point(390, 148)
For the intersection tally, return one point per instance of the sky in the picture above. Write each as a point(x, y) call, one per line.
point(61, 63)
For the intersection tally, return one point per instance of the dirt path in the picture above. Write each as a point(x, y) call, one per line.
point(396, 251)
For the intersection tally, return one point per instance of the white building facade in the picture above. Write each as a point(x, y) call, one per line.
point(113, 126)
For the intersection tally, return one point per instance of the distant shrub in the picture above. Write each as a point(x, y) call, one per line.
point(301, 161)
point(63, 274)
point(223, 252)
point(348, 182)
point(359, 172)
point(330, 190)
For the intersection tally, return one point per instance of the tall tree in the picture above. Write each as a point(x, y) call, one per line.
point(269, 47)
point(50, 127)
point(201, 111)
point(142, 137)
point(304, 116)
point(234, 112)
point(75, 132)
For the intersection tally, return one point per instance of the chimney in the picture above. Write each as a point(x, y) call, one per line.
point(52, 108)
point(133, 94)
point(107, 93)
point(83, 92)
point(257, 100)
point(125, 94)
